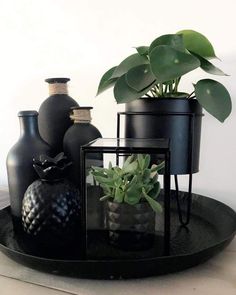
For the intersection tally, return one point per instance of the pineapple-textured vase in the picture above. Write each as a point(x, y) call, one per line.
point(20, 169)
point(51, 206)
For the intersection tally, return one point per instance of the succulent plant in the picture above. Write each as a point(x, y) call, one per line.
point(135, 182)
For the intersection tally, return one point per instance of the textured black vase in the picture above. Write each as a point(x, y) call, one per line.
point(131, 227)
point(80, 133)
point(172, 120)
point(20, 160)
point(54, 113)
point(51, 209)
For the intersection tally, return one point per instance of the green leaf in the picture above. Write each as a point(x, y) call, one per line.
point(208, 66)
point(105, 180)
point(128, 161)
point(142, 50)
point(133, 181)
point(123, 93)
point(130, 168)
point(197, 43)
point(106, 189)
point(168, 63)
point(140, 77)
point(106, 81)
point(132, 196)
point(147, 160)
point(154, 193)
point(160, 166)
point(154, 204)
point(119, 195)
point(128, 63)
point(172, 40)
point(104, 198)
point(146, 175)
point(141, 161)
point(214, 98)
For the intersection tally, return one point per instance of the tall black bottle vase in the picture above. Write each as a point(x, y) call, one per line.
point(20, 161)
point(54, 113)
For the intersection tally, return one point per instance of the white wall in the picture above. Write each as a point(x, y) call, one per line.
point(81, 39)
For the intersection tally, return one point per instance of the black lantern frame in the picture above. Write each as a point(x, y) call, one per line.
point(122, 147)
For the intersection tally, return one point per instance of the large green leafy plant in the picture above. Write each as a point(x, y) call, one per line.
point(156, 71)
point(132, 183)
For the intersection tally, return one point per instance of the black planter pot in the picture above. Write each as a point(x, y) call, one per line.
point(20, 161)
point(54, 113)
point(169, 118)
point(80, 133)
point(130, 227)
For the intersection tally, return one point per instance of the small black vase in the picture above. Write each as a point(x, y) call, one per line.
point(131, 227)
point(80, 133)
point(20, 161)
point(54, 113)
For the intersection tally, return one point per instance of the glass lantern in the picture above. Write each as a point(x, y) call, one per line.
point(125, 199)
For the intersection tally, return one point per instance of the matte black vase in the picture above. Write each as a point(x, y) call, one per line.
point(54, 113)
point(174, 118)
point(20, 161)
point(80, 133)
point(131, 227)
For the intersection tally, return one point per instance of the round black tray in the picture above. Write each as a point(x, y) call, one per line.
point(212, 227)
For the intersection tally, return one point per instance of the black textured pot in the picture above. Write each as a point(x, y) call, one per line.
point(51, 210)
point(80, 133)
point(131, 227)
point(54, 113)
point(172, 120)
point(20, 161)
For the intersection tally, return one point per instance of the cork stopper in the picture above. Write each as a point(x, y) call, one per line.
point(81, 114)
point(57, 85)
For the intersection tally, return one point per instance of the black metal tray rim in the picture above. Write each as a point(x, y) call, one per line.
point(102, 261)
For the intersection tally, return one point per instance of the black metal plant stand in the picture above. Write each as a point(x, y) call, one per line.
point(184, 214)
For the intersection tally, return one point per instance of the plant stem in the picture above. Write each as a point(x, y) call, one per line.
point(176, 84)
point(148, 95)
point(153, 93)
point(189, 96)
point(165, 88)
point(160, 89)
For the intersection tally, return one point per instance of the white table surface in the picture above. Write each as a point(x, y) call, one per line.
point(217, 276)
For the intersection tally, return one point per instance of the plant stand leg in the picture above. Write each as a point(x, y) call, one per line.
point(184, 221)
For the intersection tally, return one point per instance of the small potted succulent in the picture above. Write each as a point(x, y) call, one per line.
point(148, 81)
point(131, 193)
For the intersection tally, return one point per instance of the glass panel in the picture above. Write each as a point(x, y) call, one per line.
point(129, 143)
point(124, 216)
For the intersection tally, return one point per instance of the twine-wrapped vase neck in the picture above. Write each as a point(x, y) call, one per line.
point(81, 115)
point(58, 88)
